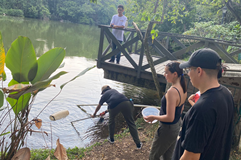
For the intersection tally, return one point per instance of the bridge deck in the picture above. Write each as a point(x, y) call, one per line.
point(234, 70)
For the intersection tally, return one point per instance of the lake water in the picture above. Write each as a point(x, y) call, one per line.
point(81, 43)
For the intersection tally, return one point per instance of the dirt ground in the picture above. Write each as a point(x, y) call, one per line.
point(123, 148)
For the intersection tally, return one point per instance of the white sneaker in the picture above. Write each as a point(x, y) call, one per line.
point(110, 140)
point(139, 146)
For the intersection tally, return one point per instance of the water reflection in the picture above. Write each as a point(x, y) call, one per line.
point(141, 95)
point(79, 40)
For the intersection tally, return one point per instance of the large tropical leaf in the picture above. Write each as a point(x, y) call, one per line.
point(48, 63)
point(22, 101)
point(39, 86)
point(80, 74)
point(2, 55)
point(21, 59)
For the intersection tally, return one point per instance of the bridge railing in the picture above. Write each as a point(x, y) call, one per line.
point(161, 47)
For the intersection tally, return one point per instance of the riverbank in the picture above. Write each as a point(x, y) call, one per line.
point(123, 149)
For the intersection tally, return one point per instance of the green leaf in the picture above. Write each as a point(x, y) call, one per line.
point(48, 63)
point(4, 76)
point(20, 103)
point(62, 65)
point(80, 74)
point(1, 98)
point(5, 133)
point(21, 58)
point(153, 31)
point(38, 86)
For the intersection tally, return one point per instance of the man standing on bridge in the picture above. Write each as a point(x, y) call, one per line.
point(118, 21)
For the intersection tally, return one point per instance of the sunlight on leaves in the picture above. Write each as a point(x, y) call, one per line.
point(60, 152)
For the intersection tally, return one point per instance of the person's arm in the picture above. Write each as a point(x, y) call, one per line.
point(191, 99)
point(112, 21)
point(115, 26)
point(172, 97)
point(122, 26)
point(190, 156)
point(96, 110)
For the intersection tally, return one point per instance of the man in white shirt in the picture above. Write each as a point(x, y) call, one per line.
point(118, 21)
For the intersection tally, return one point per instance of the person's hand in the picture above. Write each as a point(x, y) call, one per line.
point(114, 26)
point(191, 99)
point(149, 118)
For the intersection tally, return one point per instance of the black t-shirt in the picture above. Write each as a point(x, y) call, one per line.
point(112, 97)
point(207, 126)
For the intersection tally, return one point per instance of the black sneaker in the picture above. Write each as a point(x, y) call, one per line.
point(138, 146)
point(110, 140)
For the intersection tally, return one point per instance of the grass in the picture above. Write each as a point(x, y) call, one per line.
point(72, 153)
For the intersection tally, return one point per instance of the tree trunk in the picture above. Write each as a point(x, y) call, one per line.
point(150, 60)
point(232, 10)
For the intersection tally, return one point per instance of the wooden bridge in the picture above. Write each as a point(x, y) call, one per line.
point(134, 68)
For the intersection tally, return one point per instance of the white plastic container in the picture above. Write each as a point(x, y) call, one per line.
point(150, 111)
point(59, 115)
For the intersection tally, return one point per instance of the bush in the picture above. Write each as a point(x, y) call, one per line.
point(15, 12)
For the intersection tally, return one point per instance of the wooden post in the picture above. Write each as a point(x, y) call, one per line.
point(100, 48)
point(147, 53)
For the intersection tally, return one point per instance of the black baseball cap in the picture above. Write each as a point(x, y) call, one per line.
point(204, 58)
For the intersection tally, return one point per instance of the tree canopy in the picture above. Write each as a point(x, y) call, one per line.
point(77, 11)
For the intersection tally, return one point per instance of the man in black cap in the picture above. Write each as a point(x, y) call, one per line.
point(206, 132)
point(117, 103)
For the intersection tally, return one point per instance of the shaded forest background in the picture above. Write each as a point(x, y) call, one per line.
point(76, 11)
point(211, 19)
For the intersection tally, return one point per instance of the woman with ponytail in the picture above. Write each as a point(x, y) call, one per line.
point(172, 104)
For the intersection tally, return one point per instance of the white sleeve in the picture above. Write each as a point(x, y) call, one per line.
point(112, 20)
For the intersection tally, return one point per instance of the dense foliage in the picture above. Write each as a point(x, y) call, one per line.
point(77, 11)
point(178, 16)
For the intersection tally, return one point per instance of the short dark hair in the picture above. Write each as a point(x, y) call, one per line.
point(120, 6)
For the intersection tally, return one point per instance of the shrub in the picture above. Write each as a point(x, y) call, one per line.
point(15, 12)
